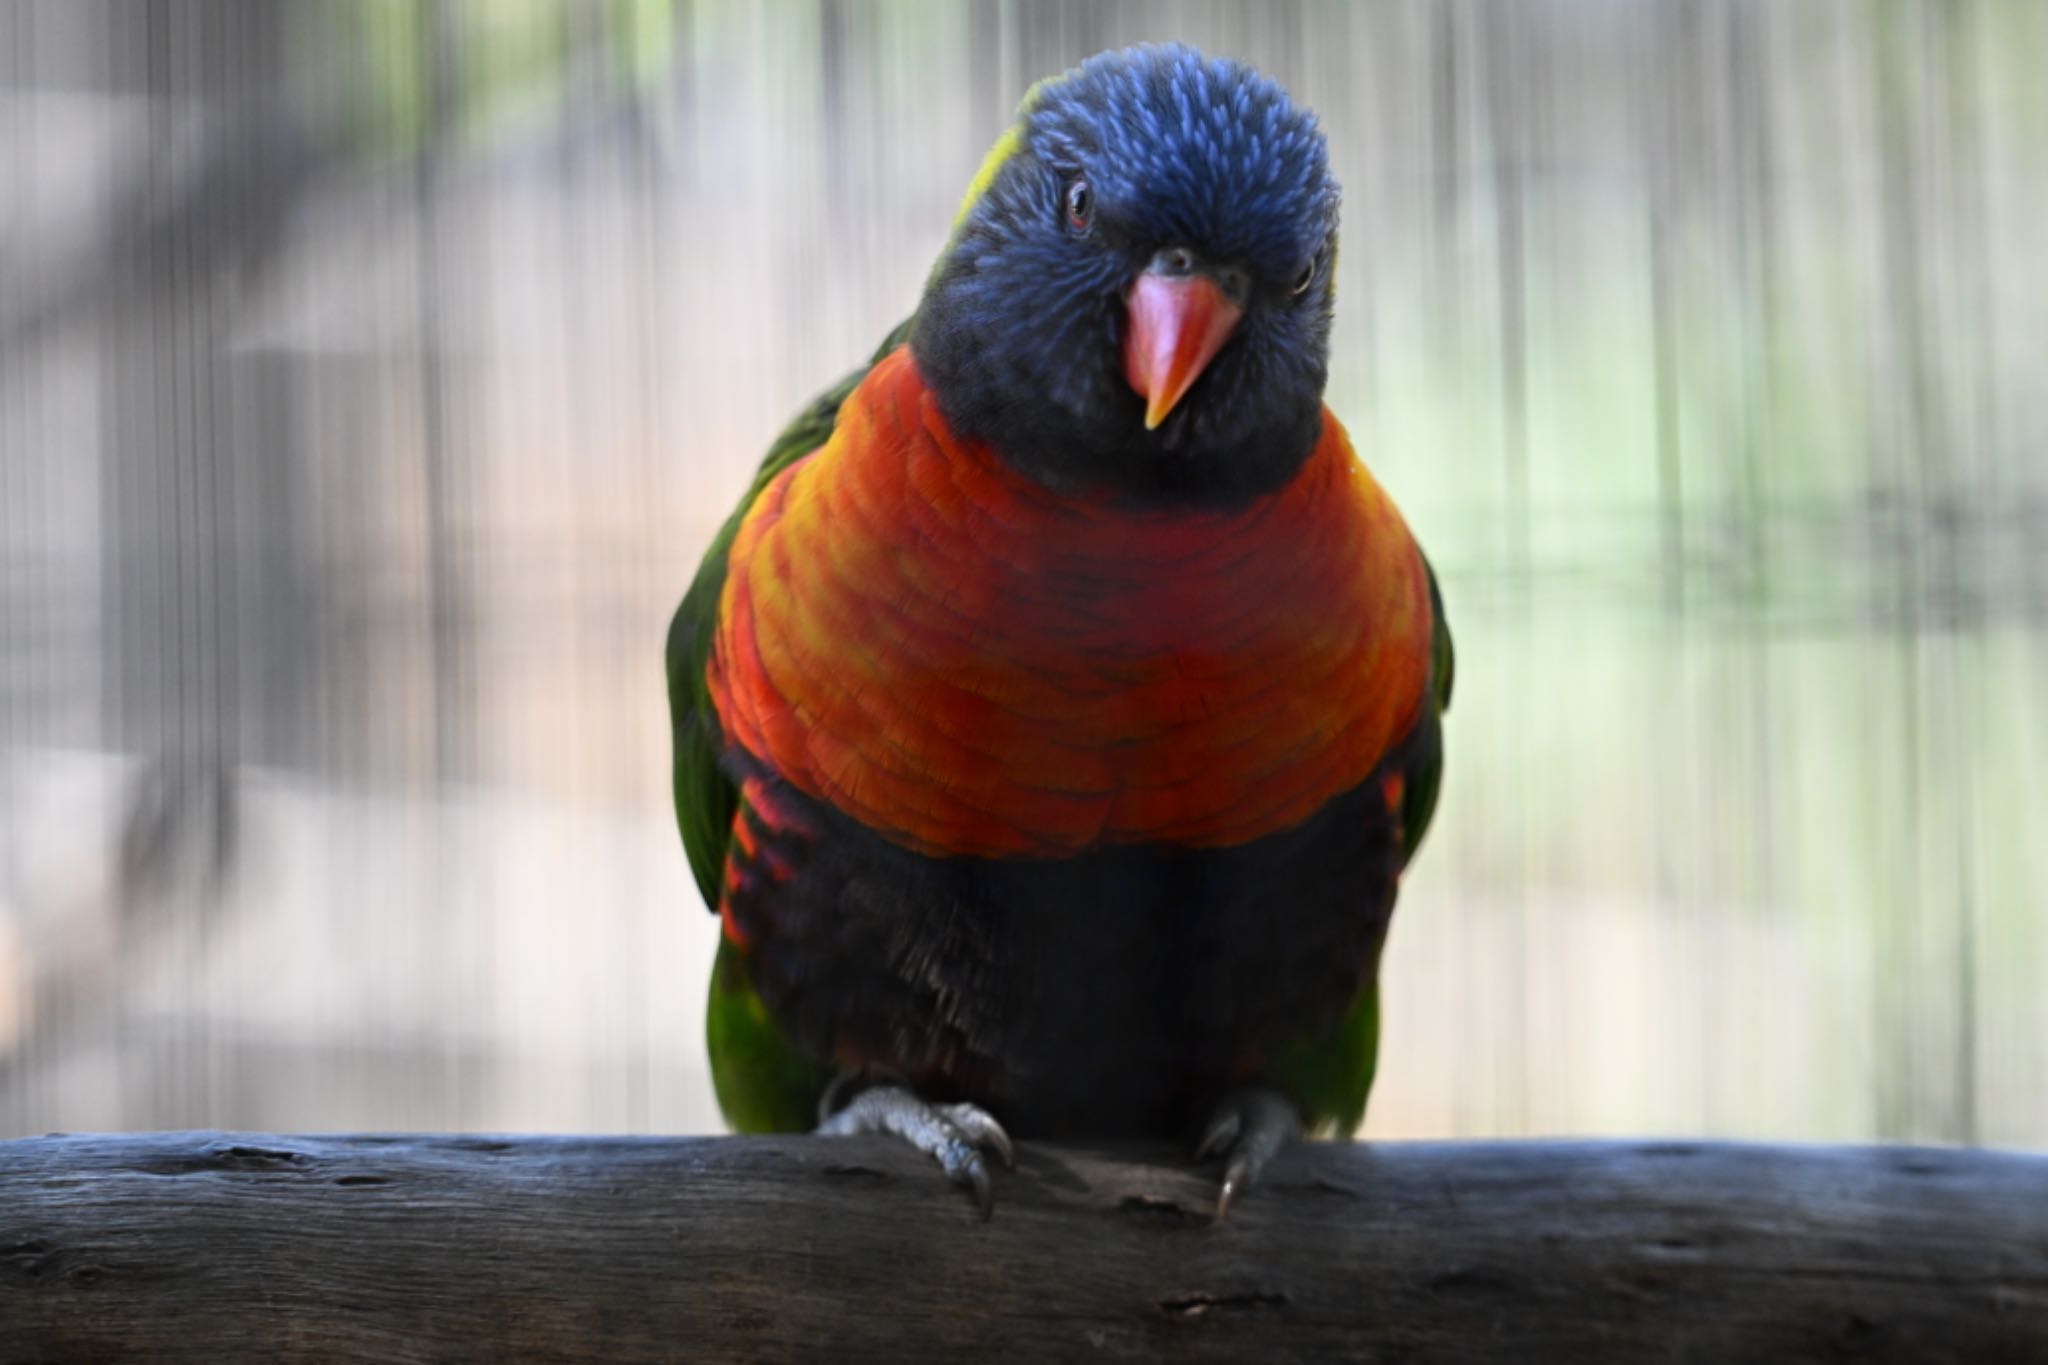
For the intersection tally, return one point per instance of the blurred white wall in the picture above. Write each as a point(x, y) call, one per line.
point(372, 375)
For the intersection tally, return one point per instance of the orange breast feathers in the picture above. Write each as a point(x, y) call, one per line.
point(971, 664)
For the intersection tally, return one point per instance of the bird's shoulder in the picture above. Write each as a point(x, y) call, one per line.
point(705, 797)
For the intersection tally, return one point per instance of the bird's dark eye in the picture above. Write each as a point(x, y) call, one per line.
point(1080, 206)
point(1307, 276)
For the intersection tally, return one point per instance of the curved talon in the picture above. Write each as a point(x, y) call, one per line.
point(1250, 1126)
point(828, 1098)
point(1233, 1179)
point(964, 1166)
point(950, 1134)
point(1223, 1130)
point(981, 1129)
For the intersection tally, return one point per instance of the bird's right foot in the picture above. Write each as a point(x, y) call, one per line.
point(954, 1135)
point(1248, 1128)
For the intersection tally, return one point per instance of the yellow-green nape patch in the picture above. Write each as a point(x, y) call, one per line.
point(1005, 147)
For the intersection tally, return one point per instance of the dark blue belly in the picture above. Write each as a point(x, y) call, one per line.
point(1112, 994)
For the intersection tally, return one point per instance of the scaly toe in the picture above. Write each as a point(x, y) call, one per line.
point(952, 1134)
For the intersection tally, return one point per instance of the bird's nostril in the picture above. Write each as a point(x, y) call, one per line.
point(1177, 261)
point(1236, 284)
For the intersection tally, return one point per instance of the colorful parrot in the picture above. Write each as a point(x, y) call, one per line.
point(1055, 717)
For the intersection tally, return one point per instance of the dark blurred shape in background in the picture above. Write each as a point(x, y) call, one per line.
point(372, 375)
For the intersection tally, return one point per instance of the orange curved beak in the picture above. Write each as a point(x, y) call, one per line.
point(1177, 324)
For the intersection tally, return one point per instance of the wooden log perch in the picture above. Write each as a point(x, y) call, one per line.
point(215, 1247)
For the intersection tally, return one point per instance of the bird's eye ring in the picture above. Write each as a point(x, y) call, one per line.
point(1308, 274)
point(1080, 203)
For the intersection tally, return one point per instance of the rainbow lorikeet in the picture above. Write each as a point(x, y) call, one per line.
point(1057, 713)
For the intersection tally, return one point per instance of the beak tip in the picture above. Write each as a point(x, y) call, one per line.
point(1177, 324)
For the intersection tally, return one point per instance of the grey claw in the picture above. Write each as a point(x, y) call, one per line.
point(963, 1166)
point(1233, 1180)
point(979, 1127)
point(1222, 1132)
point(828, 1099)
point(967, 1168)
point(1250, 1126)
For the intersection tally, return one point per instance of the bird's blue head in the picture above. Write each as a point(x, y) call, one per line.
point(1137, 296)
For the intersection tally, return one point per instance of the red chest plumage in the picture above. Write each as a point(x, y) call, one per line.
point(970, 664)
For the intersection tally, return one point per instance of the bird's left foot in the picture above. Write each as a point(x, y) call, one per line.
point(951, 1134)
point(1249, 1126)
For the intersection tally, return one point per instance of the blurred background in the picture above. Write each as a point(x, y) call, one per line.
point(372, 375)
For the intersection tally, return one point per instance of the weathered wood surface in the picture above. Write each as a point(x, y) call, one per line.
point(215, 1247)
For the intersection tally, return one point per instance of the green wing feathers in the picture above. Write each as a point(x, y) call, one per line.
point(764, 1083)
point(1330, 1077)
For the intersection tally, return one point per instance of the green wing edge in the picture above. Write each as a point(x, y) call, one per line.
point(764, 1083)
point(1330, 1077)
